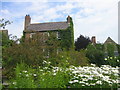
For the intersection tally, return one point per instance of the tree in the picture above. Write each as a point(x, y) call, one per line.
point(4, 38)
point(95, 55)
point(3, 23)
point(99, 46)
point(81, 42)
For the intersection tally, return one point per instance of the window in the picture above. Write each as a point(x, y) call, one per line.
point(46, 52)
point(48, 34)
point(58, 35)
point(31, 35)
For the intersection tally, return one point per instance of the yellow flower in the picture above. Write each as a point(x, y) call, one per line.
point(105, 59)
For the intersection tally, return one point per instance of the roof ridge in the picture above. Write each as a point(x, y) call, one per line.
point(109, 38)
point(47, 22)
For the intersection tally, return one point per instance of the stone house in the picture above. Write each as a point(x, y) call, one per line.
point(109, 41)
point(62, 30)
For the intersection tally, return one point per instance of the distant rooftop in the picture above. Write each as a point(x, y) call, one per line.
point(109, 40)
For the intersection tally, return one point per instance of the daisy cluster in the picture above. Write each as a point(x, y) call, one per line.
point(80, 77)
point(94, 76)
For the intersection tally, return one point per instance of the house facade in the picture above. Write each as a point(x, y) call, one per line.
point(109, 43)
point(63, 31)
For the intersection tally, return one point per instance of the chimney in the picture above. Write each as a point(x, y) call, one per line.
point(93, 39)
point(27, 21)
point(68, 19)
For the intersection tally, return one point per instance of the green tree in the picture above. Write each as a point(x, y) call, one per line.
point(4, 22)
point(4, 38)
point(81, 42)
point(95, 56)
point(99, 46)
point(27, 52)
point(5, 41)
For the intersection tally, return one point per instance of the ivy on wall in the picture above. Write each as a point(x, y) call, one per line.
point(67, 37)
point(66, 40)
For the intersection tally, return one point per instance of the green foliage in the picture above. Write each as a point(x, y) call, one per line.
point(110, 50)
point(99, 46)
point(4, 40)
point(71, 33)
point(77, 58)
point(52, 44)
point(70, 57)
point(23, 78)
point(28, 53)
point(67, 37)
point(82, 42)
point(118, 46)
point(3, 23)
point(65, 41)
point(26, 77)
point(95, 56)
point(113, 61)
point(58, 79)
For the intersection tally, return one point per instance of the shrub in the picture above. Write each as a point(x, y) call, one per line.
point(42, 77)
point(95, 56)
point(113, 61)
point(27, 53)
point(23, 78)
point(53, 79)
point(70, 57)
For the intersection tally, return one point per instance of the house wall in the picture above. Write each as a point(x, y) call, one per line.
point(65, 37)
point(40, 35)
point(114, 46)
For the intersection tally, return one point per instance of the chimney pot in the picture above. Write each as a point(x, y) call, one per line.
point(93, 39)
point(27, 21)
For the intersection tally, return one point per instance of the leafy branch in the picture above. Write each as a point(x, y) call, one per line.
point(3, 23)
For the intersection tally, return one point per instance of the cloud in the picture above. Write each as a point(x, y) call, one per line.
point(5, 11)
point(97, 19)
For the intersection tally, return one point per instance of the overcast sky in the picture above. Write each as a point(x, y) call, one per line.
point(91, 17)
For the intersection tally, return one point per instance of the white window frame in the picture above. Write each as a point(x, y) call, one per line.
point(58, 35)
point(48, 34)
point(31, 35)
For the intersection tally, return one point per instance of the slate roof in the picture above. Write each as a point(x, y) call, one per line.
point(109, 40)
point(50, 26)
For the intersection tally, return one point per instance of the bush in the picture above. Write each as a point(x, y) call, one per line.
point(42, 77)
point(113, 61)
point(26, 52)
point(23, 78)
point(50, 79)
point(70, 57)
point(95, 56)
